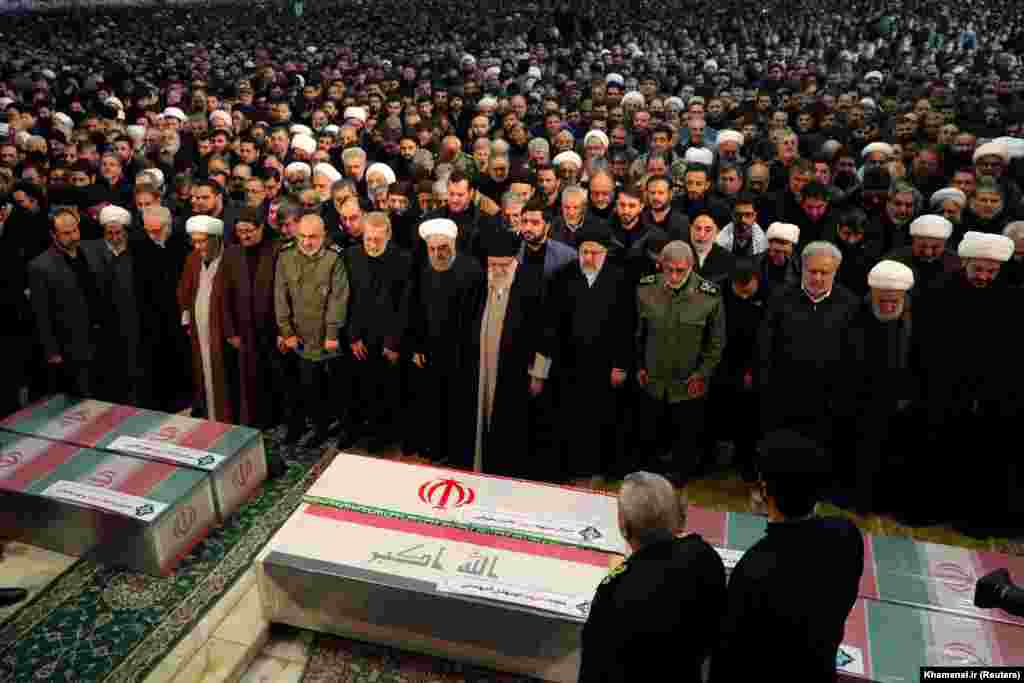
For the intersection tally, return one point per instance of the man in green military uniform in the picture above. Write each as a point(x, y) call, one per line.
point(680, 336)
point(311, 301)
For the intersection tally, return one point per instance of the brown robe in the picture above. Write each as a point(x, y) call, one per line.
point(249, 314)
point(188, 289)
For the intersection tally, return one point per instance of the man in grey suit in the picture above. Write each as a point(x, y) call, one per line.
point(68, 303)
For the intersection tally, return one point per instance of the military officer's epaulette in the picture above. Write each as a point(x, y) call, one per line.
point(648, 279)
point(709, 288)
point(335, 248)
point(615, 572)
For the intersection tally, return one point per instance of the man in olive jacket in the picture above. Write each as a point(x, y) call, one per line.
point(311, 303)
point(680, 337)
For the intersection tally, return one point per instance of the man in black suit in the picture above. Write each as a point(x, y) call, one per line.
point(379, 274)
point(68, 303)
point(783, 598)
point(668, 586)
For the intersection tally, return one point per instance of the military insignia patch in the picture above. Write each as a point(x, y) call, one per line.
point(648, 279)
point(709, 288)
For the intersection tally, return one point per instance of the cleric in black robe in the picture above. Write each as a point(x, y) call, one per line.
point(969, 355)
point(793, 590)
point(378, 274)
point(591, 314)
point(887, 393)
point(158, 259)
point(505, 337)
point(447, 292)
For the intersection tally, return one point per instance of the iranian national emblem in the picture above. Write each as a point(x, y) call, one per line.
point(102, 478)
point(590, 534)
point(143, 510)
point(954, 576)
point(584, 607)
point(165, 433)
point(184, 520)
point(243, 473)
point(10, 459)
point(843, 658)
point(446, 493)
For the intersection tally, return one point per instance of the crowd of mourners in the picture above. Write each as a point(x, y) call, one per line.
point(545, 241)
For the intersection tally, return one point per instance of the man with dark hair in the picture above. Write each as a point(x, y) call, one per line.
point(778, 601)
point(630, 235)
point(207, 199)
point(668, 583)
point(465, 212)
point(69, 306)
point(540, 258)
point(859, 254)
point(660, 212)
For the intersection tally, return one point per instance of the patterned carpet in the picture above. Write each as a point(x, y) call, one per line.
point(99, 624)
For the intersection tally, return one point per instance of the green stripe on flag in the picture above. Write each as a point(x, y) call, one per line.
point(744, 530)
point(426, 519)
point(900, 568)
point(899, 641)
point(176, 486)
point(42, 414)
point(81, 464)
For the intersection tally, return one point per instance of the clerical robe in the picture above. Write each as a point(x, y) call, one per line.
point(201, 298)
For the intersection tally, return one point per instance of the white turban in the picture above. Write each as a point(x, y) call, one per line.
point(598, 135)
point(220, 114)
point(206, 225)
point(633, 96)
point(936, 227)
point(883, 147)
point(940, 196)
point(304, 142)
point(298, 129)
point(699, 155)
point(873, 75)
point(115, 214)
point(378, 167)
point(325, 169)
point(357, 113)
point(891, 275)
point(571, 157)
point(986, 246)
point(787, 232)
point(174, 113)
point(332, 129)
point(439, 226)
point(298, 166)
point(63, 119)
point(730, 136)
point(1014, 146)
point(993, 149)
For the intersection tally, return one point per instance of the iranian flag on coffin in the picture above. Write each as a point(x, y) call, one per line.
point(140, 513)
point(233, 455)
point(498, 505)
point(937, 576)
point(492, 600)
point(890, 642)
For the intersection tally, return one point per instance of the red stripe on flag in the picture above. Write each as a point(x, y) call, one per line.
point(204, 435)
point(55, 455)
point(455, 534)
point(143, 479)
point(96, 429)
point(710, 524)
point(869, 577)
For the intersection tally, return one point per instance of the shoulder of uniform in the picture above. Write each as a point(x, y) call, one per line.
point(648, 279)
point(615, 572)
point(286, 244)
point(335, 248)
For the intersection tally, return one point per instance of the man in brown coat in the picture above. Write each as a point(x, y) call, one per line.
point(201, 299)
point(249, 323)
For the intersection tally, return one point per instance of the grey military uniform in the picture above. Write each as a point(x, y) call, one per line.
point(679, 333)
point(311, 297)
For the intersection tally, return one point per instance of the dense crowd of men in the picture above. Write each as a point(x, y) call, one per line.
point(550, 242)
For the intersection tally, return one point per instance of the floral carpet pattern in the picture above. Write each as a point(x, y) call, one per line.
point(101, 624)
point(340, 660)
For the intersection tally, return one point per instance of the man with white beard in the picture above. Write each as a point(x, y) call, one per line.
point(888, 391)
point(445, 297)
